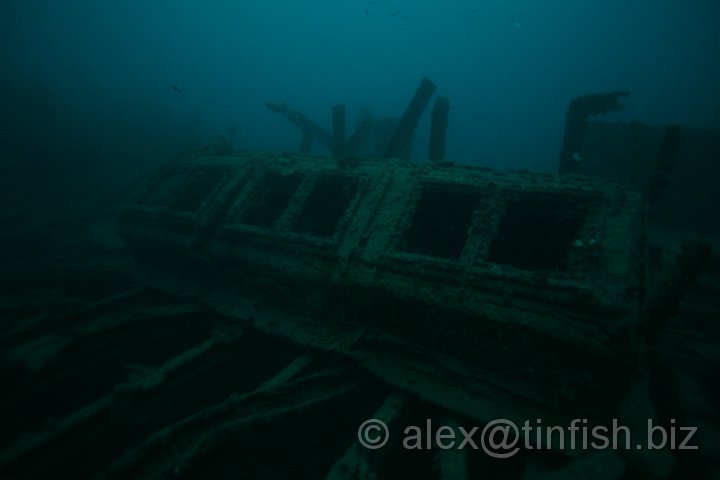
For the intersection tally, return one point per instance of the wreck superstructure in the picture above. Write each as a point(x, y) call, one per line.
point(270, 304)
point(493, 294)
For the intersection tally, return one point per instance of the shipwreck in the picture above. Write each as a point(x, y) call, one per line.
point(258, 306)
point(516, 290)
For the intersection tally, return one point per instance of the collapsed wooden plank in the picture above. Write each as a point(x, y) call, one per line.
point(452, 462)
point(179, 446)
point(355, 462)
point(140, 379)
point(33, 355)
point(93, 308)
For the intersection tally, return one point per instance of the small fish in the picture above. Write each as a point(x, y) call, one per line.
point(367, 14)
point(176, 88)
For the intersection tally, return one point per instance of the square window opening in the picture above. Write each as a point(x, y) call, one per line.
point(195, 192)
point(536, 232)
point(440, 224)
point(326, 205)
point(270, 198)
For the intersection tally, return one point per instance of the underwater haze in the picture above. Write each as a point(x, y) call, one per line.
point(206, 272)
point(132, 82)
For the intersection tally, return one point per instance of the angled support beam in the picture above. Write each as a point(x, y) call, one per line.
point(303, 123)
point(405, 129)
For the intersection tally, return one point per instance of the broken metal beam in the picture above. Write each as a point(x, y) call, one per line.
point(405, 129)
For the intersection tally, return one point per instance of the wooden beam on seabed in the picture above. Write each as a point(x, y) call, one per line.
point(184, 444)
point(452, 462)
point(141, 380)
point(355, 462)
